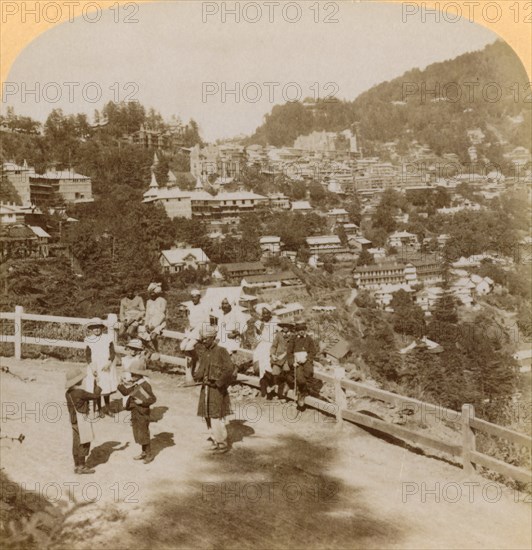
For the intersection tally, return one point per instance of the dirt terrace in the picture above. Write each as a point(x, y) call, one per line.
point(290, 481)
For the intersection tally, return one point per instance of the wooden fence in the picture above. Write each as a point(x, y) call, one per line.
point(470, 425)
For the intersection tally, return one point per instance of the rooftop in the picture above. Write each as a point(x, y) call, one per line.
point(178, 255)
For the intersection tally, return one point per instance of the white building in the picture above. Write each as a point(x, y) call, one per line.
point(270, 244)
point(178, 259)
point(403, 238)
point(324, 244)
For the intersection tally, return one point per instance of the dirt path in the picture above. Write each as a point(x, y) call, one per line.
point(289, 482)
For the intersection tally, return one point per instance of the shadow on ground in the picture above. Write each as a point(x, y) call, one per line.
point(270, 498)
point(102, 453)
point(237, 431)
point(162, 441)
point(157, 413)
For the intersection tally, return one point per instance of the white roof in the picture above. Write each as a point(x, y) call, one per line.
point(178, 255)
point(400, 234)
point(215, 294)
point(270, 239)
point(324, 239)
point(289, 308)
point(301, 205)
point(337, 212)
point(361, 240)
point(238, 195)
point(39, 231)
point(62, 175)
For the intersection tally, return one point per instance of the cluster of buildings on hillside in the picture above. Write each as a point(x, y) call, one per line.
point(49, 188)
point(21, 236)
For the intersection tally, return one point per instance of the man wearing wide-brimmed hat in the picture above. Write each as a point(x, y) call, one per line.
point(216, 372)
point(300, 355)
point(78, 407)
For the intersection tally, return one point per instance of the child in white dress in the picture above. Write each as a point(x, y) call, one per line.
point(101, 364)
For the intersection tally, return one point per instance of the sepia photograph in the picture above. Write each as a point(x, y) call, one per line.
point(265, 275)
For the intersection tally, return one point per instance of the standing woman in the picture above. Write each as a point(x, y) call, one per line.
point(101, 365)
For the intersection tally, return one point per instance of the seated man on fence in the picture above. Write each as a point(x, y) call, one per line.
point(155, 319)
point(132, 312)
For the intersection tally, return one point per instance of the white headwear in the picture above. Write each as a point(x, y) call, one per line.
point(155, 287)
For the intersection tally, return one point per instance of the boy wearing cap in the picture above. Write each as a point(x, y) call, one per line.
point(133, 358)
point(140, 398)
point(78, 407)
point(216, 373)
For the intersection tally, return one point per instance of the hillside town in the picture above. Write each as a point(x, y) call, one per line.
point(359, 262)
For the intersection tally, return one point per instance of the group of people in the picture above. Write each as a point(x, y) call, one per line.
point(283, 357)
point(85, 388)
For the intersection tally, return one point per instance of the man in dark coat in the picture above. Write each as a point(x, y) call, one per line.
point(216, 372)
point(78, 402)
point(300, 357)
point(141, 397)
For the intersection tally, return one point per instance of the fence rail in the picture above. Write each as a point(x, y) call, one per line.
point(470, 425)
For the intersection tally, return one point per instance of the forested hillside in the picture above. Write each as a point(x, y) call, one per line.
point(486, 89)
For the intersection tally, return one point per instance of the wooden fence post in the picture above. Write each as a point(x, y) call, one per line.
point(340, 398)
point(468, 438)
point(19, 310)
point(112, 327)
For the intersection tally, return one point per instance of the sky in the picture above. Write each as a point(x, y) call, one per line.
point(185, 58)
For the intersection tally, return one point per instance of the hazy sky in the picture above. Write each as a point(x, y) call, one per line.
point(170, 55)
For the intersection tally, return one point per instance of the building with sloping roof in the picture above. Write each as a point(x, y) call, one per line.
point(271, 280)
point(238, 270)
point(20, 241)
point(178, 259)
point(324, 244)
point(338, 350)
point(301, 206)
point(270, 244)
